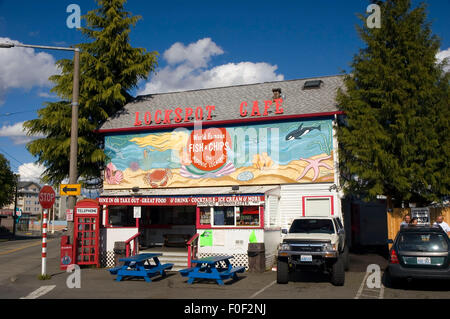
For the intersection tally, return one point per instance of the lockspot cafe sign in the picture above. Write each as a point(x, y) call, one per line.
point(204, 113)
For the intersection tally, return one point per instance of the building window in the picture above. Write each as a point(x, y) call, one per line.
point(224, 216)
point(167, 215)
point(205, 215)
point(230, 216)
point(247, 216)
point(121, 216)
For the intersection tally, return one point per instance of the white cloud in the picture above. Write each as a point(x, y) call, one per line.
point(195, 54)
point(47, 95)
point(24, 68)
point(442, 55)
point(31, 172)
point(188, 69)
point(17, 134)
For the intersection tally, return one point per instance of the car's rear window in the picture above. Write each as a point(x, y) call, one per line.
point(422, 242)
point(315, 226)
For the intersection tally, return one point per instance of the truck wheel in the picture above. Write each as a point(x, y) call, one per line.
point(282, 272)
point(346, 259)
point(338, 273)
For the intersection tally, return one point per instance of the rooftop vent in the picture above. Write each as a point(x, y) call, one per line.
point(312, 84)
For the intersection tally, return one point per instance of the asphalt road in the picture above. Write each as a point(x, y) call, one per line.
point(20, 265)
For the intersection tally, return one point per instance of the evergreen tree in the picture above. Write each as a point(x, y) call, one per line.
point(394, 140)
point(109, 68)
point(7, 182)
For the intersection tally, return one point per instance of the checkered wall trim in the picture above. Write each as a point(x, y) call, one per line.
point(107, 259)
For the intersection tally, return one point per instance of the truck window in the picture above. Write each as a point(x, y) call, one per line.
point(312, 226)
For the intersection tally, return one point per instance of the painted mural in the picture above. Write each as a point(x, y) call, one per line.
point(273, 153)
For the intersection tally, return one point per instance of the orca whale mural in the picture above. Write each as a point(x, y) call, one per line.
point(300, 132)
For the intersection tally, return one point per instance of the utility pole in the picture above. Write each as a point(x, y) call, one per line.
point(73, 171)
point(15, 206)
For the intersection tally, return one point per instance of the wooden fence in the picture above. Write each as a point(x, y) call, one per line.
point(395, 218)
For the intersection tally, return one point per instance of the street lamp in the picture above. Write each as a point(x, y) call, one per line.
point(73, 173)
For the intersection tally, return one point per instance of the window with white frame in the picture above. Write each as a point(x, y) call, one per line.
point(230, 216)
point(318, 206)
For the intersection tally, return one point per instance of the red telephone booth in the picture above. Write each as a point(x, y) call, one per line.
point(86, 232)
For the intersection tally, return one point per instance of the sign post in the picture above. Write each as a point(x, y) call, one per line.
point(46, 199)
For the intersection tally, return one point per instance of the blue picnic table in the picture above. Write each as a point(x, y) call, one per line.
point(140, 266)
point(216, 268)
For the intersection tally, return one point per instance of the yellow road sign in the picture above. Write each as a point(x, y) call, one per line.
point(70, 189)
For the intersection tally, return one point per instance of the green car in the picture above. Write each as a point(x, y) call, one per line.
point(419, 253)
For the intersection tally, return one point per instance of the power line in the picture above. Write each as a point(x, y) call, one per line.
point(26, 168)
point(11, 156)
point(14, 113)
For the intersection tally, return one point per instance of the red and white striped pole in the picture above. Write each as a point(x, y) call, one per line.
point(44, 242)
point(46, 199)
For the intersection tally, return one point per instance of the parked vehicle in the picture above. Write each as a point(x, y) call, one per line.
point(419, 253)
point(314, 243)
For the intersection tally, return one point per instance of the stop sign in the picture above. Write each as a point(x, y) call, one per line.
point(47, 197)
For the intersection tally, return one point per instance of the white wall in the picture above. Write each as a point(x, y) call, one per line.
point(271, 240)
point(235, 241)
point(291, 205)
point(272, 211)
point(109, 236)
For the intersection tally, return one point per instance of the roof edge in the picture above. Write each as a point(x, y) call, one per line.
point(232, 86)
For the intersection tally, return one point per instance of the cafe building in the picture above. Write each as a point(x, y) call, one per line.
point(219, 168)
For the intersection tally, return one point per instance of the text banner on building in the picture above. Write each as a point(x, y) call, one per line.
point(181, 201)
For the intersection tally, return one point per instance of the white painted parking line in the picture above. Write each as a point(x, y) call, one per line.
point(260, 291)
point(39, 292)
point(381, 296)
point(369, 293)
point(360, 290)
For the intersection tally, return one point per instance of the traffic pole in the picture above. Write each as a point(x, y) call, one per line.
point(44, 243)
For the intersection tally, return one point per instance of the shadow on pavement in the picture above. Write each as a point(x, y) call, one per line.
point(415, 284)
point(308, 276)
point(212, 282)
point(154, 279)
point(27, 236)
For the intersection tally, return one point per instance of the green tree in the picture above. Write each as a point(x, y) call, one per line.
point(7, 182)
point(394, 139)
point(109, 69)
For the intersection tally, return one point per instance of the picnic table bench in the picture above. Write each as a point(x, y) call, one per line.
point(216, 268)
point(140, 266)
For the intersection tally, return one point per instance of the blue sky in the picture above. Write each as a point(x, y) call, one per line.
point(266, 40)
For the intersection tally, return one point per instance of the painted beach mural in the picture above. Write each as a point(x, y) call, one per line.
point(272, 153)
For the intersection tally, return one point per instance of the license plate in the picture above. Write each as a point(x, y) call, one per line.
point(423, 260)
point(306, 258)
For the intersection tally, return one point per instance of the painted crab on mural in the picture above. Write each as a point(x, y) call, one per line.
point(158, 178)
